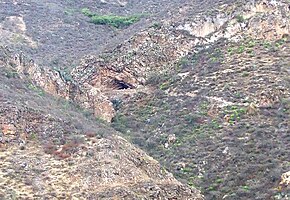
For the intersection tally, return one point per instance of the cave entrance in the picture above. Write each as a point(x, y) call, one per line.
point(121, 85)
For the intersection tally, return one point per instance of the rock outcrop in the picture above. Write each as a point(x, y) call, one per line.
point(50, 150)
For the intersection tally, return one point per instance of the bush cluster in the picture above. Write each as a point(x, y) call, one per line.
point(112, 20)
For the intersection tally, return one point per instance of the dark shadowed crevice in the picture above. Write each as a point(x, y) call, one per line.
point(120, 85)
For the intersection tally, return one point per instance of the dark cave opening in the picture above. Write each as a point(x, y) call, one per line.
point(121, 85)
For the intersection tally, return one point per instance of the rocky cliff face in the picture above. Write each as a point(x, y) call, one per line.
point(48, 149)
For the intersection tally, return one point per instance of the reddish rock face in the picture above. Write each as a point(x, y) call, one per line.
point(8, 129)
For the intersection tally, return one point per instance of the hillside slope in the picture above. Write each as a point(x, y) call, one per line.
point(56, 33)
point(219, 116)
point(202, 86)
point(51, 149)
point(222, 122)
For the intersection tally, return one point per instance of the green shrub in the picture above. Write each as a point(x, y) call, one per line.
point(36, 89)
point(235, 113)
point(156, 25)
point(9, 73)
point(240, 18)
point(241, 49)
point(112, 20)
point(87, 12)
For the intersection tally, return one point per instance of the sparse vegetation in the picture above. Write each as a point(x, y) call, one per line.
point(64, 73)
point(241, 49)
point(156, 25)
point(69, 11)
point(240, 18)
point(183, 62)
point(223, 130)
point(234, 113)
point(36, 89)
point(11, 73)
point(267, 44)
point(216, 56)
point(247, 46)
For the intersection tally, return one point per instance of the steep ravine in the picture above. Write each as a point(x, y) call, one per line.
point(204, 91)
